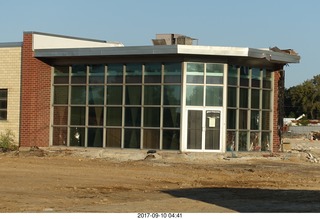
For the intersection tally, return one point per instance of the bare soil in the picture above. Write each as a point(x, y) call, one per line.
point(65, 180)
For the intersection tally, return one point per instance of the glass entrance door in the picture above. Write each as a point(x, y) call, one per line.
point(204, 129)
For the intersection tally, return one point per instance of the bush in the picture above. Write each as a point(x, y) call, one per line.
point(7, 142)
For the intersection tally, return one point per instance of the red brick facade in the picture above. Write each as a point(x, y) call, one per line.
point(35, 98)
point(276, 104)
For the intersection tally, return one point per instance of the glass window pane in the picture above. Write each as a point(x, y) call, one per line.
point(171, 117)
point(214, 73)
point(244, 94)
point(96, 74)
point(232, 75)
point(114, 116)
point(231, 119)
point(152, 95)
point(151, 138)
point(114, 95)
point(60, 95)
point(195, 73)
point(132, 138)
point(214, 96)
point(3, 93)
point(78, 74)
point(133, 116)
point(232, 96)
point(3, 104)
point(78, 115)
point(115, 73)
point(254, 141)
point(243, 141)
point(78, 95)
point(151, 117)
point(60, 115)
point(255, 120)
point(265, 141)
point(172, 95)
point(256, 77)
point(267, 78)
point(59, 136)
point(113, 138)
point(95, 137)
point(77, 136)
point(96, 95)
point(171, 139)
point(231, 141)
point(133, 73)
point(152, 73)
point(243, 119)
point(194, 95)
point(266, 99)
point(96, 116)
point(61, 75)
point(255, 98)
point(266, 120)
point(133, 95)
point(244, 76)
point(195, 128)
point(172, 73)
point(3, 114)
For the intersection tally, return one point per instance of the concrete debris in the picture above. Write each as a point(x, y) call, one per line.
point(311, 158)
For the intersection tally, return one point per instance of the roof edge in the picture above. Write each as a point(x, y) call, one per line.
point(11, 44)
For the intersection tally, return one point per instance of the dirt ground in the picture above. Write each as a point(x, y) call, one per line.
point(88, 180)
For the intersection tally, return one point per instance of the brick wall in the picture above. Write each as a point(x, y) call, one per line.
point(278, 91)
point(35, 98)
point(10, 72)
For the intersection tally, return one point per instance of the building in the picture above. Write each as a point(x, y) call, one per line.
point(67, 91)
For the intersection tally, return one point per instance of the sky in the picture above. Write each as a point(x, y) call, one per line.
point(286, 24)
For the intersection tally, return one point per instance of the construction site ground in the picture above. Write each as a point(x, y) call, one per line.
point(68, 179)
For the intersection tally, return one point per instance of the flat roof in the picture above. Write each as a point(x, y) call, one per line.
point(11, 44)
point(272, 56)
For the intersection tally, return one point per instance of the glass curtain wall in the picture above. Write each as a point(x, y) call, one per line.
point(249, 109)
point(117, 105)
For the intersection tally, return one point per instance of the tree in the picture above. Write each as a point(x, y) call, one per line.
point(304, 98)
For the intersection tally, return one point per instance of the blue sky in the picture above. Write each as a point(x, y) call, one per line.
point(247, 23)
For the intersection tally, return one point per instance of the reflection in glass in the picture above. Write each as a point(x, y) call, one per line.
point(133, 116)
point(115, 73)
point(60, 115)
point(133, 95)
point(151, 117)
point(78, 95)
point(232, 75)
point(265, 120)
point(195, 73)
point(194, 95)
point(78, 115)
point(96, 74)
point(243, 118)
point(232, 96)
point(77, 136)
point(231, 119)
point(172, 95)
point(267, 79)
point(194, 129)
point(255, 77)
point(95, 137)
point(114, 95)
point(214, 96)
point(151, 138)
point(172, 72)
point(244, 76)
point(243, 142)
point(96, 116)
point(113, 137)
point(254, 142)
point(61, 75)
point(214, 73)
point(133, 73)
point(152, 73)
point(114, 116)
point(171, 117)
point(78, 74)
point(59, 136)
point(255, 99)
point(231, 141)
point(255, 120)
point(171, 139)
point(266, 99)
point(244, 94)
point(132, 138)
point(152, 95)
point(60, 95)
point(265, 141)
point(96, 95)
